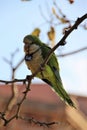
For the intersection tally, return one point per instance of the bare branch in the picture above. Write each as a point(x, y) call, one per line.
point(32, 120)
point(13, 81)
point(73, 52)
point(67, 33)
point(4, 115)
point(19, 63)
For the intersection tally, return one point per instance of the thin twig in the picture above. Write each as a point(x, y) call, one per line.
point(20, 62)
point(32, 120)
point(73, 52)
point(13, 81)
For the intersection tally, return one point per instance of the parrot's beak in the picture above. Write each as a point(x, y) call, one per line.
point(26, 45)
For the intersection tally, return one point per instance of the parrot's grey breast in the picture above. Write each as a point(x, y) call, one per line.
point(36, 60)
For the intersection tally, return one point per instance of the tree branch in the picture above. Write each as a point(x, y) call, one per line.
point(32, 120)
point(67, 33)
point(73, 52)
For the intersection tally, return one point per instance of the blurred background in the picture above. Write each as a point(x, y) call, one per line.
point(48, 20)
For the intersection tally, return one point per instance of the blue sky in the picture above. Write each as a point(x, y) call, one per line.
point(18, 19)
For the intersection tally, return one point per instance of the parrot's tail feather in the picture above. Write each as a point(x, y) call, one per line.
point(60, 90)
point(63, 94)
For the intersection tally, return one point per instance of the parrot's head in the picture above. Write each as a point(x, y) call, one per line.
point(31, 44)
point(33, 52)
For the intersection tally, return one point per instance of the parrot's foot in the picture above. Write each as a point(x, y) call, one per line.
point(28, 77)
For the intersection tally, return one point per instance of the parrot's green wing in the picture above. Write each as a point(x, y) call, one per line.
point(55, 68)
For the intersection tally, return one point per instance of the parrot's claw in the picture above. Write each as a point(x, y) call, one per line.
point(28, 77)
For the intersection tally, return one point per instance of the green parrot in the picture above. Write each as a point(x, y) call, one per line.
point(35, 53)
